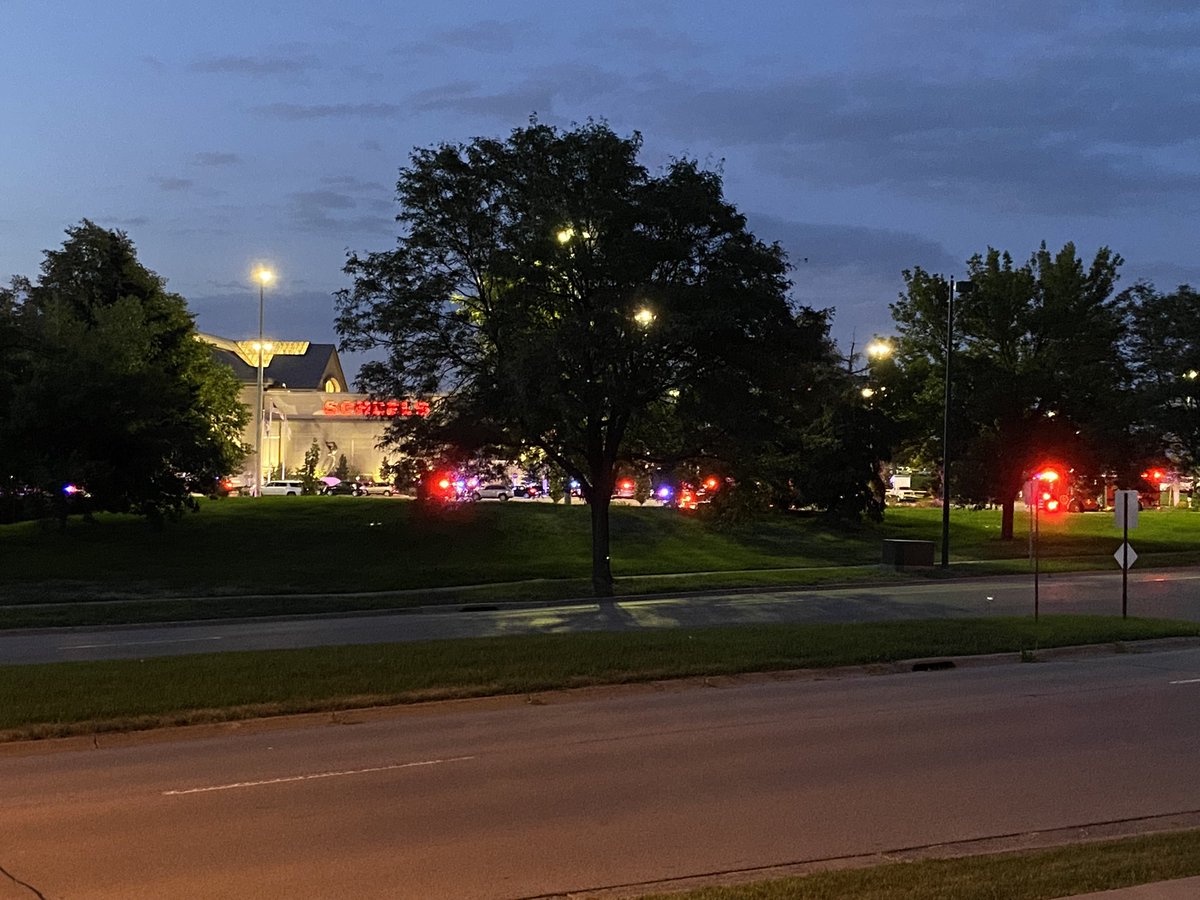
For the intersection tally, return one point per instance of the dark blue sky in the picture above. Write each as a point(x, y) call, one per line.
point(866, 137)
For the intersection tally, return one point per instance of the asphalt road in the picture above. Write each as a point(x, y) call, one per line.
point(1162, 593)
point(582, 791)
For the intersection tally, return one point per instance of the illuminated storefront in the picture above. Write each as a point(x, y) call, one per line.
point(305, 399)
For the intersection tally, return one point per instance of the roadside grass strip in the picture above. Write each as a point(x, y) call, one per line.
point(1038, 875)
point(58, 699)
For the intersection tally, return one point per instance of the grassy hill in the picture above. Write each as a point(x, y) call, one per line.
point(288, 546)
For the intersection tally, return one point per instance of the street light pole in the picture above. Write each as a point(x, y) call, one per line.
point(263, 276)
point(963, 286)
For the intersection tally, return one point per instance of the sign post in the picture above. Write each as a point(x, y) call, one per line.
point(1126, 509)
point(1032, 502)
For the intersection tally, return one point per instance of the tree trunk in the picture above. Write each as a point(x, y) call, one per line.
point(1006, 518)
point(602, 580)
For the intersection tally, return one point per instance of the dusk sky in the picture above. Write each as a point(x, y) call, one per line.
point(865, 136)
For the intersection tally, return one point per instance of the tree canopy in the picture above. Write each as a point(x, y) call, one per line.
point(547, 291)
point(1039, 369)
point(105, 386)
point(1165, 349)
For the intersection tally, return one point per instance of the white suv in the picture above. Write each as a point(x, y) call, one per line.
point(283, 489)
point(492, 492)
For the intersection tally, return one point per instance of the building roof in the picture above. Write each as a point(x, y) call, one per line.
point(298, 365)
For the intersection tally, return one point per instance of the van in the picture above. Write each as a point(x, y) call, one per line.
point(283, 489)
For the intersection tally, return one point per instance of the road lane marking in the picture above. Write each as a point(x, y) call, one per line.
point(1187, 681)
point(139, 643)
point(313, 776)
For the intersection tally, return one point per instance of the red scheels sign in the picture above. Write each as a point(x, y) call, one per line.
point(378, 408)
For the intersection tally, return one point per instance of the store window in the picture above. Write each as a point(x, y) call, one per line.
point(332, 386)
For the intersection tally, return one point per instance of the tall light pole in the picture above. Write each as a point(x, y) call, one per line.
point(963, 287)
point(264, 276)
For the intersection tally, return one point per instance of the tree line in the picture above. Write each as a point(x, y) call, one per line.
point(105, 392)
point(551, 298)
point(1049, 361)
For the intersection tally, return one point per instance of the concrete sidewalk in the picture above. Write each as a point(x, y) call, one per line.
point(1180, 889)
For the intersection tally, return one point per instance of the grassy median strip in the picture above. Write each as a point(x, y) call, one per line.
point(1040, 875)
point(87, 697)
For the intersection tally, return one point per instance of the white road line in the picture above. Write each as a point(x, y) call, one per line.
point(139, 643)
point(1187, 681)
point(314, 775)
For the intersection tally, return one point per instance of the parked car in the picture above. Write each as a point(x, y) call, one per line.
point(494, 491)
point(375, 488)
point(1083, 503)
point(344, 489)
point(283, 489)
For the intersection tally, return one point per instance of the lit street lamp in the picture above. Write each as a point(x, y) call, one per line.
point(878, 349)
point(263, 276)
point(962, 287)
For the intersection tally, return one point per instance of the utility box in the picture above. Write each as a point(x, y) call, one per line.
point(898, 554)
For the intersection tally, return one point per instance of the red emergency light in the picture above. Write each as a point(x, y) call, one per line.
point(1048, 479)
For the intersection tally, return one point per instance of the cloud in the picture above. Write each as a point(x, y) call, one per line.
point(354, 183)
point(216, 159)
point(853, 270)
point(128, 222)
point(652, 42)
point(323, 200)
point(295, 112)
point(1069, 115)
point(1076, 134)
point(540, 92)
point(845, 248)
point(172, 184)
point(340, 214)
point(486, 36)
point(257, 66)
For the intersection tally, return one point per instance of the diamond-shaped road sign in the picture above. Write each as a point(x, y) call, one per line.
point(1120, 555)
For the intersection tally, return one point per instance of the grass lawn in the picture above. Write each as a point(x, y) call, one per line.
point(281, 547)
point(84, 697)
point(1039, 875)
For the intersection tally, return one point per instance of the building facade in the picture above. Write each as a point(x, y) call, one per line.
point(306, 398)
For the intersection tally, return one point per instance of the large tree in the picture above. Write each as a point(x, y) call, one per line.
point(1038, 369)
point(108, 387)
point(1165, 348)
point(548, 291)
